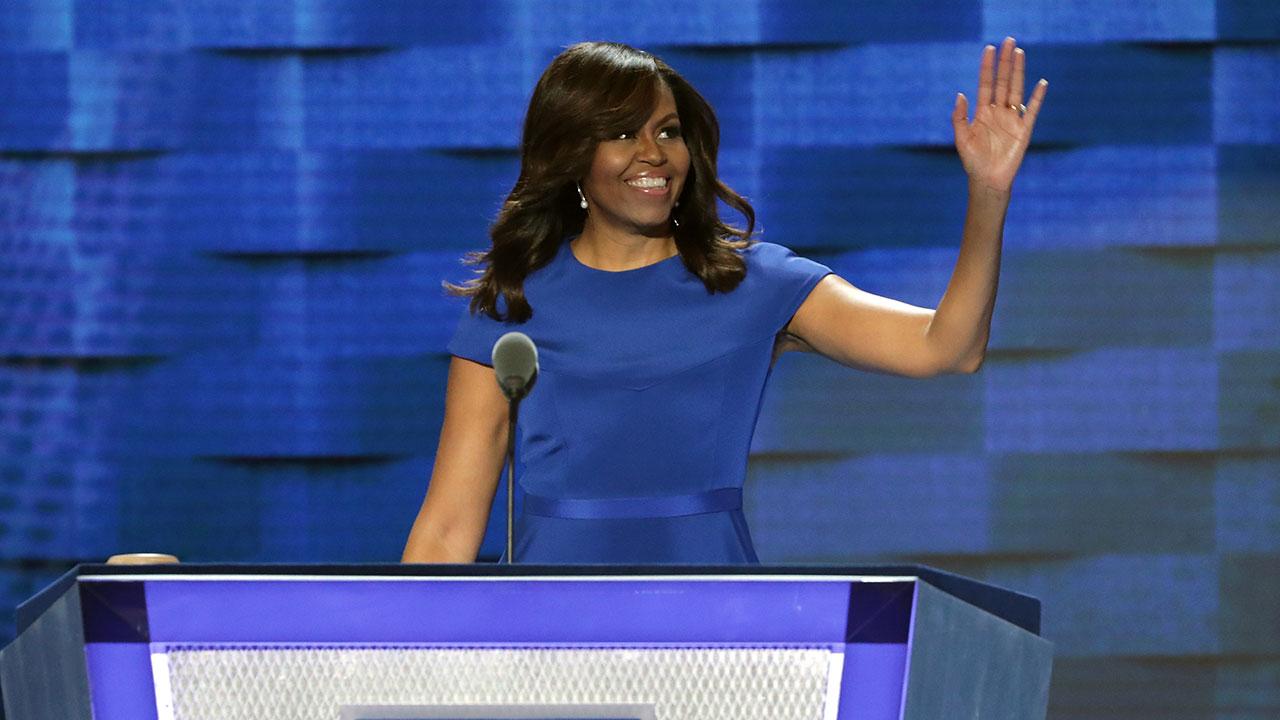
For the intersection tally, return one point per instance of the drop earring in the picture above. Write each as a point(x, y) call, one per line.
point(582, 199)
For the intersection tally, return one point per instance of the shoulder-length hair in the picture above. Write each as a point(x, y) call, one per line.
point(590, 92)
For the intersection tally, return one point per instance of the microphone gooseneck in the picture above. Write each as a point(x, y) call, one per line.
point(515, 363)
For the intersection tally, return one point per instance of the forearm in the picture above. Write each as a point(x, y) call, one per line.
point(957, 334)
point(425, 546)
point(450, 524)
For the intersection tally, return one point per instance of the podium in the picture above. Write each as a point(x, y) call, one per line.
point(375, 642)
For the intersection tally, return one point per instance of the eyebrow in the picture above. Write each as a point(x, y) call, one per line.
point(668, 116)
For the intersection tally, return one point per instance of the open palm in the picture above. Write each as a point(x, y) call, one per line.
point(992, 146)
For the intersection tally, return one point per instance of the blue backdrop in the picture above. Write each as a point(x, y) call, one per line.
point(224, 224)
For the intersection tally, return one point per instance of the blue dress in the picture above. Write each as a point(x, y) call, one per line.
point(634, 440)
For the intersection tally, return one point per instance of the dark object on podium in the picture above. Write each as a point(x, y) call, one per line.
point(368, 641)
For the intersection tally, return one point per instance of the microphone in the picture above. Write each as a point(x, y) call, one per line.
point(515, 361)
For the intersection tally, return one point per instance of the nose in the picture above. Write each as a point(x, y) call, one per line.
point(649, 151)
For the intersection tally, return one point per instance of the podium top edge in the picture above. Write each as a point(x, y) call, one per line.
point(1022, 610)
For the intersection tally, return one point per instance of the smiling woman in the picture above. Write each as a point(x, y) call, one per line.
point(632, 188)
point(659, 323)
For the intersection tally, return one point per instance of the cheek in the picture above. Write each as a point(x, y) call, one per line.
point(604, 169)
point(682, 159)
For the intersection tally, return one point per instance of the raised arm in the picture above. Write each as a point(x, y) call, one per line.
point(863, 330)
point(451, 523)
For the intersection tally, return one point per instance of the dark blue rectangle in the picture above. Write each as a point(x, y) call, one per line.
point(114, 612)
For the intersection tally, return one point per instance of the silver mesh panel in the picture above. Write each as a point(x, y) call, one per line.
point(314, 683)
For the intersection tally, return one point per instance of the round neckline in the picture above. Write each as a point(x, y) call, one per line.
point(573, 258)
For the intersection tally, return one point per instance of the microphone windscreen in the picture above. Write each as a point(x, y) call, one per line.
point(515, 361)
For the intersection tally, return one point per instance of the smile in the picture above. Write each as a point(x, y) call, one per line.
point(648, 182)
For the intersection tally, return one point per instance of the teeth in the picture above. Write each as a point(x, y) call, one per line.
point(648, 182)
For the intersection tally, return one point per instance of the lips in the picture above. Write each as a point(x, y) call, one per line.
point(655, 185)
point(648, 182)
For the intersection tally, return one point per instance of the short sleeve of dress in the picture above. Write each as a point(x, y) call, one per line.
point(475, 336)
point(782, 279)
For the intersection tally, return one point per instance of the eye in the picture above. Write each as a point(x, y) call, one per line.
point(624, 135)
point(670, 132)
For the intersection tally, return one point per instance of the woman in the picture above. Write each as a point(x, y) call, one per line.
point(657, 323)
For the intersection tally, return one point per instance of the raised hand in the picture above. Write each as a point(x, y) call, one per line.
point(992, 146)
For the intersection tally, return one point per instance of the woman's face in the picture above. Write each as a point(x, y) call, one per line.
point(636, 178)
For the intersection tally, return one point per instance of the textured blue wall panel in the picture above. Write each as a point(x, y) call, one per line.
point(276, 201)
point(103, 303)
point(1247, 504)
point(858, 197)
point(869, 507)
point(1094, 21)
point(35, 86)
point(875, 94)
point(1246, 300)
point(270, 509)
point(1126, 94)
point(1079, 299)
point(1100, 504)
point(56, 506)
point(879, 413)
point(1111, 399)
point(1251, 687)
point(870, 95)
point(820, 21)
point(1248, 186)
point(282, 404)
point(383, 201)
point(1148, 605)
point(245, 101)
point(349, 510)
point(471, 97)
point(1248, 19)
point(244, 201)
point(357, 306)
point(142, 24)
point(1171, 688)
point(644, 23)
point(1246, 101)
point(1249, 584)
point(127, 101)
point(1249, 400)
point(1091, 198)
point(36, 24)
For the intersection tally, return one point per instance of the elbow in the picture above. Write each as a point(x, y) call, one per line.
point(967, 364)
point(970, 363)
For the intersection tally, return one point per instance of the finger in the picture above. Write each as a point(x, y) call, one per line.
point(960, 114)
point(986, 75)
point(1019, 77)
point(1037, 99)
point(1003, 71)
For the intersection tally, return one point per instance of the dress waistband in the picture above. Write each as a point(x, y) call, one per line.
point(718, 500)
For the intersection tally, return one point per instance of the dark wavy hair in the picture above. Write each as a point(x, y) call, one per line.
point(590, 92)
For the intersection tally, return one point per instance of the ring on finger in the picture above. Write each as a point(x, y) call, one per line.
point(1022, 109)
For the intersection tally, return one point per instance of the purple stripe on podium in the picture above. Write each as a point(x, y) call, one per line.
point(648, 611)
point(120, 683)
point(872, 682)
